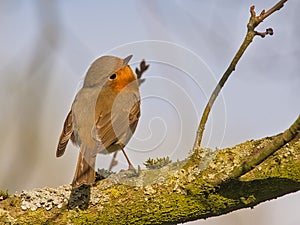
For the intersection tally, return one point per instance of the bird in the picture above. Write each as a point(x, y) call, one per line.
point(103, 115)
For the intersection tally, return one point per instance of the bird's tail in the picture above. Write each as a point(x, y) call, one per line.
point(85, 170)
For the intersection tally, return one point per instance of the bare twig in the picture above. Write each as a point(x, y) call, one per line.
point(139, 72)
point(251, 33)
point(263, 15)
point(269, 31)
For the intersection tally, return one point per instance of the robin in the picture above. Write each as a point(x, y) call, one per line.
point(103, 116)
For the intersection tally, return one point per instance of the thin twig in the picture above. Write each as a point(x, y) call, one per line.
point(251, 33)
point(276, 7)
point(269, 31)
point(139, 72)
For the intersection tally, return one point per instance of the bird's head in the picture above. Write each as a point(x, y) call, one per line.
point(109, 70)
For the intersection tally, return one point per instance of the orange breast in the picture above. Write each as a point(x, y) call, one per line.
point(124, 77)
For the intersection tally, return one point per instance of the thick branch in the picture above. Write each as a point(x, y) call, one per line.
point(172, 194)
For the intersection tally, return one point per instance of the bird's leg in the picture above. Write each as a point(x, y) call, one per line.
point(130, 166)
point(113, 162)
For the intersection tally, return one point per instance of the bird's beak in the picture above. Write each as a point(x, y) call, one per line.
point(126, 60)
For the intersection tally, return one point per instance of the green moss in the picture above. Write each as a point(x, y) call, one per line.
point(248, 200)
point(157, 163)
point(116, 191)
point(3, 195)
point(279, 165)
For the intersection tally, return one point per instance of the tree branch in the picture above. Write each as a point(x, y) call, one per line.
point(251, 33)
point(173, 194)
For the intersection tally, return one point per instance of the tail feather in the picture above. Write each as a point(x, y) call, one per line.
point(85, 170)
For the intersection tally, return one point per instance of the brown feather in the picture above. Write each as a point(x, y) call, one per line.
point(65, 135)
point(134, 116)
point(85, 172)
point(115, 128)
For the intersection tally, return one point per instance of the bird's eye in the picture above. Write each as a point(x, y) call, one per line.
point(113, 76)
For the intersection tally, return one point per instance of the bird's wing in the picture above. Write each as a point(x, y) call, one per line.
point(65, 135)
point(134, 116)
point(118, 126)
point(103, 132)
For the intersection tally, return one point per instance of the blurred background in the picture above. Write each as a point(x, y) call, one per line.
point(47, 46)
